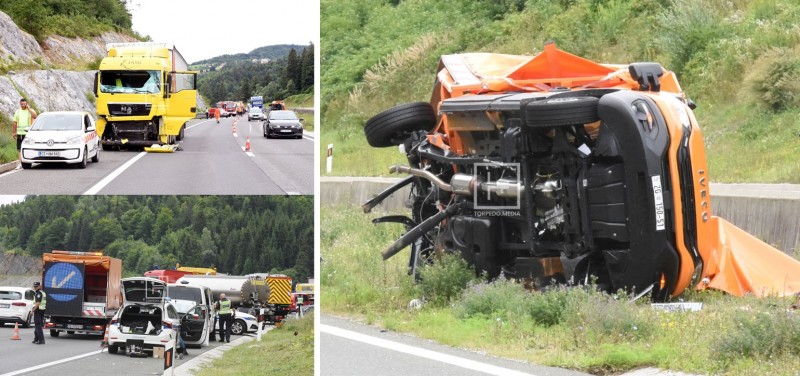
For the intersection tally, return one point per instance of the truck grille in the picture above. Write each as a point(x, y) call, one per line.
point(129, 109)
point(687, 196)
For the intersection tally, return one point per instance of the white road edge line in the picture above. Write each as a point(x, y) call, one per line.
point(100, 185)
point(420, 352)
point(34, 368)
point(194, 125)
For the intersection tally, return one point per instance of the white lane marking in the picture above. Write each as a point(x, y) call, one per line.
point(194, 125)
point(97, 187)
point(307, 137)
point(235, 134)
point(34, 368)
point(250, 154)
point(420, 352)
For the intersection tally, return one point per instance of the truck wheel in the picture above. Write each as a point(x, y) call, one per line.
point(54, 333)
point(391, 127)
point(237, 327)
point(181, 134)
point(70, 332)
point(561, 111)
point(113, 349)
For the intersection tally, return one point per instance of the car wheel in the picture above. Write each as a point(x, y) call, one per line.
point(113, 349)
point(237, 327)
point(27, 323)
point(96, 157)
point(85, 160)
point(54, 333)
point(70, 332)
point(561, 111)
point(391, 127)
point(26, 166)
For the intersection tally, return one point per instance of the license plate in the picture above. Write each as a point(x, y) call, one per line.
point(73, 326)
point(49, 154)
point(285, 131)
point(658, 197)
point(5, 305)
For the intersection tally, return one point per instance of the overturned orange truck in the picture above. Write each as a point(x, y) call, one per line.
point(557, 169)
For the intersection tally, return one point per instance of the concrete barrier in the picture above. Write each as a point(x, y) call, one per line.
point(768, 211)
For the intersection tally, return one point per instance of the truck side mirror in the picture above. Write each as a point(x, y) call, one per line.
point(168, 85)
point(96, 82)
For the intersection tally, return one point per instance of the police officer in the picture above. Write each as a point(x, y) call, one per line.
point(39, 306)
point(226, 315)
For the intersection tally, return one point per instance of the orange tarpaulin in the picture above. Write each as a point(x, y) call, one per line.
point(746, 265)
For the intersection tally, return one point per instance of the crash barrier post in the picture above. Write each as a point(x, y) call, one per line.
point(15, 335)
point(104, 344)
point(247, 144)
point(169, 355)
point(329, 160)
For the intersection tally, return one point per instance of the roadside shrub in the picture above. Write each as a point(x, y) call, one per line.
point(443, 281)
point(774, 79)
point(599, 316)
point(691, 26)
point(758, 334)
point(8, 148)
point(548, 308)
point(497, 298)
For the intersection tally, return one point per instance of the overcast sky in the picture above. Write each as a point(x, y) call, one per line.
point(202, 29)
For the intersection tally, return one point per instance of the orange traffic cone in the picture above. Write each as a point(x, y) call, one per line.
point(247, 144)
point(15, 336)
point(104, 344)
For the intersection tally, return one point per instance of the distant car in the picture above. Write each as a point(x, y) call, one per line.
point(16, 304)
point(244, 322)
point(283, 124)
point(63, 136)
point(148, 319)
point(255, 113)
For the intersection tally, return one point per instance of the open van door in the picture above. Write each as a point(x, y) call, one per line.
point(143, 290)
point(197, 324)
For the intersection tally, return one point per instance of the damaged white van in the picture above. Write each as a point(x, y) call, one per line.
point(148, 319)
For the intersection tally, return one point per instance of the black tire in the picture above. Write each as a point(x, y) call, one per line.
point(54, 333)
point(182, 133)
point(561, 111)
point(391, 127)
point(26, 166)
point(113, 349)
point(27, 323)
point(96, 157)
point(70, 332)
point(85, 160)
point(238, 327)
point(106, 147)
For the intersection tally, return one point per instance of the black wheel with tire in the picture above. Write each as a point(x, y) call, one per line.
point(182, 133)
point(391, 127)
point(70, 332)
point(54, 333)
point(29, 321)
point(85, 160)
point(26, 166)
point(113, 349)
point(238, 326)
point(561, 111)
point(96, 157)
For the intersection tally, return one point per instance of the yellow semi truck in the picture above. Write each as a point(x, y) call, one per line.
point(145, 95)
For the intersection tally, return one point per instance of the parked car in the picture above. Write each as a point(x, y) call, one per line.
point(255, 113)
point(245, 321)
point(16, 304)
point(64, 137)
point(283, 124)
point(148, 319)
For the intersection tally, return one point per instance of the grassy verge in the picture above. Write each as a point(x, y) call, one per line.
point(574, 328)
point(280, 352)
point(308, 121)
point(300, 100)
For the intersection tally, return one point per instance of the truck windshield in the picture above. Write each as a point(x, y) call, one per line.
point(130, 82)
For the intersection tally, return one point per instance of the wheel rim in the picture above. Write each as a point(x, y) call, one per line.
point(237, 328)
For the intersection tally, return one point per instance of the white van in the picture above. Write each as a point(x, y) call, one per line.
point(185, 297)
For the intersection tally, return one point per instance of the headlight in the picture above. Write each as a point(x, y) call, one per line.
point(75, 140)
point(28, 141)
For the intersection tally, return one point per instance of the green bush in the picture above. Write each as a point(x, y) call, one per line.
point(8, 148)
point(775, 79)
point(548, 308)
point(758, 334)
point(498, 298)
point(443, 281)
point(609, 317)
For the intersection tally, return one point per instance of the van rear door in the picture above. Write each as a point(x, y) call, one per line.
point(143, 290)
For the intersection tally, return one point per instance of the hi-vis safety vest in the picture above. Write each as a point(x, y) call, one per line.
point(43, 303)
point(225, 307)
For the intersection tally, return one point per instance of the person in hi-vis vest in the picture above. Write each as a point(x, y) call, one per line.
point(39, 306)
point(226, 315)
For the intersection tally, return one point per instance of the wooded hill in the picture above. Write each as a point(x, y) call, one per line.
point(275, 80)
point(235, 234)
point(269, 52)
point(69, 18)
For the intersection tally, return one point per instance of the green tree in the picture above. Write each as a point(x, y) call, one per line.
point(106, 231)
point(164, 222)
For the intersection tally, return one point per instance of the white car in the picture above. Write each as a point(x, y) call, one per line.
point(16, 304)
point(243, 323)
point(187, 297)
point(64, 137)
point(255, 113)
point(147, 319)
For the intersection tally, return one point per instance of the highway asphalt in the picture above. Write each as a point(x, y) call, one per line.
point(213, 161)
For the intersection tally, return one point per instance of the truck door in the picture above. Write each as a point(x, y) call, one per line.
point(182, 101)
